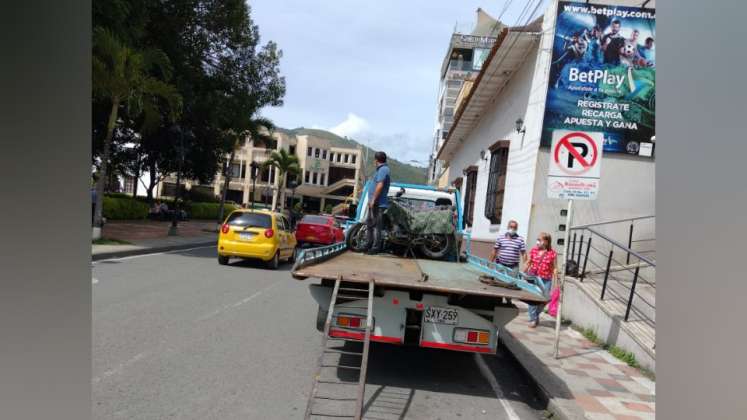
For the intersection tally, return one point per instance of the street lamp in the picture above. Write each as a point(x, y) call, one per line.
point(254, 169)
point(180, 153)
point(293, 183)
point(520, 129)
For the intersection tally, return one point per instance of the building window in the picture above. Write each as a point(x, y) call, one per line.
point(353, 159)
point(347, 156)
point(496, 182)
point(235, 170)
point(331, 156)
point(292, 150)
point(339, 156)
point(321, 179)
point(469, 196)
point(316, 152)
point(324, 154)
point(314, 178)
point(306, 177)
point(308, 151)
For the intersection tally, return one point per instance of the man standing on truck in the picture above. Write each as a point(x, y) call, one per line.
point(377, 203)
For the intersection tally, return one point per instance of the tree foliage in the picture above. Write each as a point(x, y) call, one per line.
point(222, 73)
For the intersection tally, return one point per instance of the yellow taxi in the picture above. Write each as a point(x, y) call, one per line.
point(256, 234)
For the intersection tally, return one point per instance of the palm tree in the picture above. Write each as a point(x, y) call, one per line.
point(285, 163)
point(260, 131)
point(122, 76)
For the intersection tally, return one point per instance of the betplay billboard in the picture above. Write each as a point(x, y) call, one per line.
point(602, 75)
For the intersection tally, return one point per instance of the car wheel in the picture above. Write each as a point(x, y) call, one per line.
point(222, 259)
point(274, 263)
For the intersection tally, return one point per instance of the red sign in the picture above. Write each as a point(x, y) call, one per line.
point(572, 161)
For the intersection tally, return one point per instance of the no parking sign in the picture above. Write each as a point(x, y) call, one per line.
point(575, 165)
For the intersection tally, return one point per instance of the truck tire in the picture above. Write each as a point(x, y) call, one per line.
point(437, 247)
point(321, 318)
point(357, 238)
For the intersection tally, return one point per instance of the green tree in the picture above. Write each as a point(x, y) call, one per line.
point(124, 77)
point(285, 163)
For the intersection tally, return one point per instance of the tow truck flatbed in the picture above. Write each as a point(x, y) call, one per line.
point(442, 277)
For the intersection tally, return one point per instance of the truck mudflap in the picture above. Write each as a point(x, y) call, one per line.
point(428, 321)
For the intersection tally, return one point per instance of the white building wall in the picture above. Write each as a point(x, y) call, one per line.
point(626, 189)
point(524, 97)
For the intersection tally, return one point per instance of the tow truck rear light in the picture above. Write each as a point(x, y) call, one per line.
point(468, 336)
point(350, 321)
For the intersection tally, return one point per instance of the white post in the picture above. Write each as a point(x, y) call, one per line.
point(558, 316)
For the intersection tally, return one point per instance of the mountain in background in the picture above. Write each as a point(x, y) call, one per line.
point(400, 172)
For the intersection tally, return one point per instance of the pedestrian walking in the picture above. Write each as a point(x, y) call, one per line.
point(509, 249)
point(542, 263)
point(377, 203)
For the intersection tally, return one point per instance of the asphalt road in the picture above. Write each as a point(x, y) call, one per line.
point(176, 336)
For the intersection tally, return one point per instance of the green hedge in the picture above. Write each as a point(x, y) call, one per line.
point(119, 208)
point(209, 210)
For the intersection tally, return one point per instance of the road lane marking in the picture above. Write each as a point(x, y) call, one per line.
point(152, 254)
point(120, 368)
point(235, 305)
point(485, 370)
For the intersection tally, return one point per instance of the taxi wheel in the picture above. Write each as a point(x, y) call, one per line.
point(274, 263)
point(292, 258)
point(222, 259)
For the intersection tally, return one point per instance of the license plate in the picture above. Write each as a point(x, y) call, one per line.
point(441, 315)
point(246, 236)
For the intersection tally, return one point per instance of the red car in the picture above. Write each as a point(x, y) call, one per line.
point(319, 230)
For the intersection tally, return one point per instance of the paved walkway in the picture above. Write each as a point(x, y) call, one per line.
point(147, 236)
point(585, 381)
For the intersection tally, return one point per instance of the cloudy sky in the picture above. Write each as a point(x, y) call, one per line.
point(366, 69)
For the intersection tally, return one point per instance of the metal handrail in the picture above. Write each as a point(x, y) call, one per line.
point(631, 219)
point(617, 244)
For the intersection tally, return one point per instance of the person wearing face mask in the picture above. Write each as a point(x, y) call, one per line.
point(541, 264)
point(510, 248)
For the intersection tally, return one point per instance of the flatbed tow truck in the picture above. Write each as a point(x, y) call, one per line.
point(452, 305)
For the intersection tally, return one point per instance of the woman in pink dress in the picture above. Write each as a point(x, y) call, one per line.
point(541, 263)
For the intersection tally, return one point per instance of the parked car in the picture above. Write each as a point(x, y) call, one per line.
point(318, 230)
point(256, 234)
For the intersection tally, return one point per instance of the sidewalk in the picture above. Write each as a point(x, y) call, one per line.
point(147, 236)
point(585, 382)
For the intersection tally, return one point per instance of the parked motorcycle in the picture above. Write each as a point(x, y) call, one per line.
point(430, 231)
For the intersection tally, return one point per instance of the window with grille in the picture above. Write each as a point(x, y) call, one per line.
point(316, 153)
point(308, 151)
point(469, 196)
point(324, 154)
point(496, 182)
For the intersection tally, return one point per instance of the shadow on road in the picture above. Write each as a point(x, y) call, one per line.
point(234, 263)
point(398, 373)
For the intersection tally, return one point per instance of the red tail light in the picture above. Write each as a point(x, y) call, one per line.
point(224, 228)
point(269, 233)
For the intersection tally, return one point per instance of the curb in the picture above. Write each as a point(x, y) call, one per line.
point(546, 381)
point(150, 250)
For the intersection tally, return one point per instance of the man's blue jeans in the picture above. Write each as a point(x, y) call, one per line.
point(535, 310)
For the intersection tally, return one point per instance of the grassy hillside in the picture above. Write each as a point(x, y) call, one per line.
point(400, 172)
